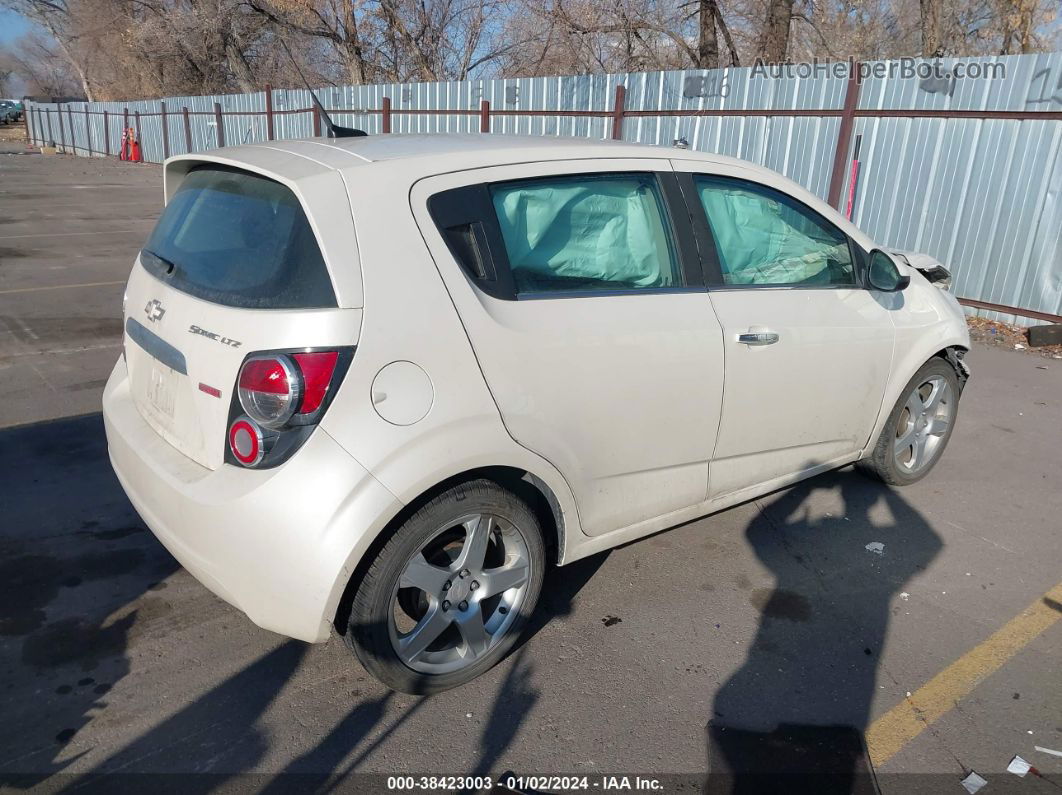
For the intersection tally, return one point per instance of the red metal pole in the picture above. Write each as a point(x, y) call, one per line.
point(106, 134)
point(484, 116)
point(844, 136)
point(269, 111)
point(853, 179)
point(165, 131)
point(139, 140)
point(617, 113)
point(386, 119)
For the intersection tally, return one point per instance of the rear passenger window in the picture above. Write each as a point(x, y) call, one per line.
point(239, 239)
point(764, 237)
point(586, 233)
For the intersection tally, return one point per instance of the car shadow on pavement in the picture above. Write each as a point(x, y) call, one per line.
point(792, 717)
point(79, 575)
point(512, 706)
point(83, 586)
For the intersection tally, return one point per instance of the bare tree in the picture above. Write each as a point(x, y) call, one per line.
point(43, 69)
point(930, 15)
point(126, 49)
point(774, 39)
point(56, 17)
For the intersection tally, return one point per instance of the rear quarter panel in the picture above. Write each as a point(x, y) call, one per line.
point(409, 317)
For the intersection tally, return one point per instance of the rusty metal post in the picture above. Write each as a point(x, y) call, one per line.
point(139, 139)
point(62, 132)
point(73, 135)
point(269, 112)
point(106, 134)
point(30, 132)
point(386, 111)
point(165, 131)
point(219, 120)
point(484, 116)
point(617, 112)
point(51, 135)
point(844, 136)
point(316, 122)
point(88, 131)
point(187, 130)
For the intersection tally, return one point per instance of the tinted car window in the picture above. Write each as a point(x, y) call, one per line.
point(585, 233)
point(239, 239)
point(764, 237)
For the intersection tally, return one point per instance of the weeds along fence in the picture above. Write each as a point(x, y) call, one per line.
point(959, 158)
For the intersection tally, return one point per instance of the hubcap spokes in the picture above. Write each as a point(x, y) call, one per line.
point(462, 590)
point(923, 423)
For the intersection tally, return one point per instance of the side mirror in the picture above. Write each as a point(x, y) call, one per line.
point(885, 273)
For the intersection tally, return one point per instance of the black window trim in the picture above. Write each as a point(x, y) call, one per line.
point(472, 205)
point(702, 230)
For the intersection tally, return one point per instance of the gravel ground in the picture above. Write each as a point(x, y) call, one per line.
point(1003, 335)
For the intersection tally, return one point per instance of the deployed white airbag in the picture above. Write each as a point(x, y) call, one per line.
point(763, 241)
point(581, 231)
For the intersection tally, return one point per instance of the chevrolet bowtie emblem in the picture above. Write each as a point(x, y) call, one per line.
point(154, 310)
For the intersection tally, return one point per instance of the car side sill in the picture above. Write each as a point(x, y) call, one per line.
point(589, 545)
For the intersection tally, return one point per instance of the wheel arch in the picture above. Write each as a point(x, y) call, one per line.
point(535, 491)
point(952, 351)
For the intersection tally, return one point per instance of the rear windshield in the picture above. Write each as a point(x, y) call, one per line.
point(238, 239)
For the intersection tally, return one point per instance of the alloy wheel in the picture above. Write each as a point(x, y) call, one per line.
point(923, 423)
point(459, 594)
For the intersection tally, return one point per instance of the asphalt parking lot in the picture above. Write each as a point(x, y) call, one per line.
point(680, 654)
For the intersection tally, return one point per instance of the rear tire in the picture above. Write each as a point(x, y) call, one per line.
point(449, 593)
point(918, 428)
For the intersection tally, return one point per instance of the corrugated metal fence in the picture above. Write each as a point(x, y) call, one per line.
point(962, 163)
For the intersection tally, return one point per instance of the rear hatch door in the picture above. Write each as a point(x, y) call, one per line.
point(232, 268)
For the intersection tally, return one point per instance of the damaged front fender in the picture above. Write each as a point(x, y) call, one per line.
point(933, 271)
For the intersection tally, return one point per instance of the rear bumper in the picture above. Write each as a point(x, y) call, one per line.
point(279, 544)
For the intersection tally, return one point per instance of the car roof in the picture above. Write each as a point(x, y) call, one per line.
point(427, 155)
point(410, 158)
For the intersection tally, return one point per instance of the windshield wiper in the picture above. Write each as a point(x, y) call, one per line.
point(170, 266)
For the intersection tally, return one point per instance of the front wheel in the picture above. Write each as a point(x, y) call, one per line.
point(450, 591)
point(919, 427)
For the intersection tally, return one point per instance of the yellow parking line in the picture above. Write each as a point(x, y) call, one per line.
point(58, 287)
point(901, 724)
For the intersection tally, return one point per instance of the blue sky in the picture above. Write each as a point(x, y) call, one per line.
point(12, 26)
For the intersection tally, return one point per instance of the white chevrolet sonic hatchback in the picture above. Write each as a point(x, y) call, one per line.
point(381, 383)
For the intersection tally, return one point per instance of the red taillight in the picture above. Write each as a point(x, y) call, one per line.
point(269, 389)
point(282, 396)
point(246, 442)
point(316, 369)
point(269, 374)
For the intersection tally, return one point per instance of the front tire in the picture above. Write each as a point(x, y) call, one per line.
point(918, 428)
point(448, 594)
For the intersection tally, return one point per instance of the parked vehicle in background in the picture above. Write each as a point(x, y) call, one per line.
point(379, 384)
point(10, 111)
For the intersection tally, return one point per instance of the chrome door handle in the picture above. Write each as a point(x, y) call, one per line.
point(758, 338)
